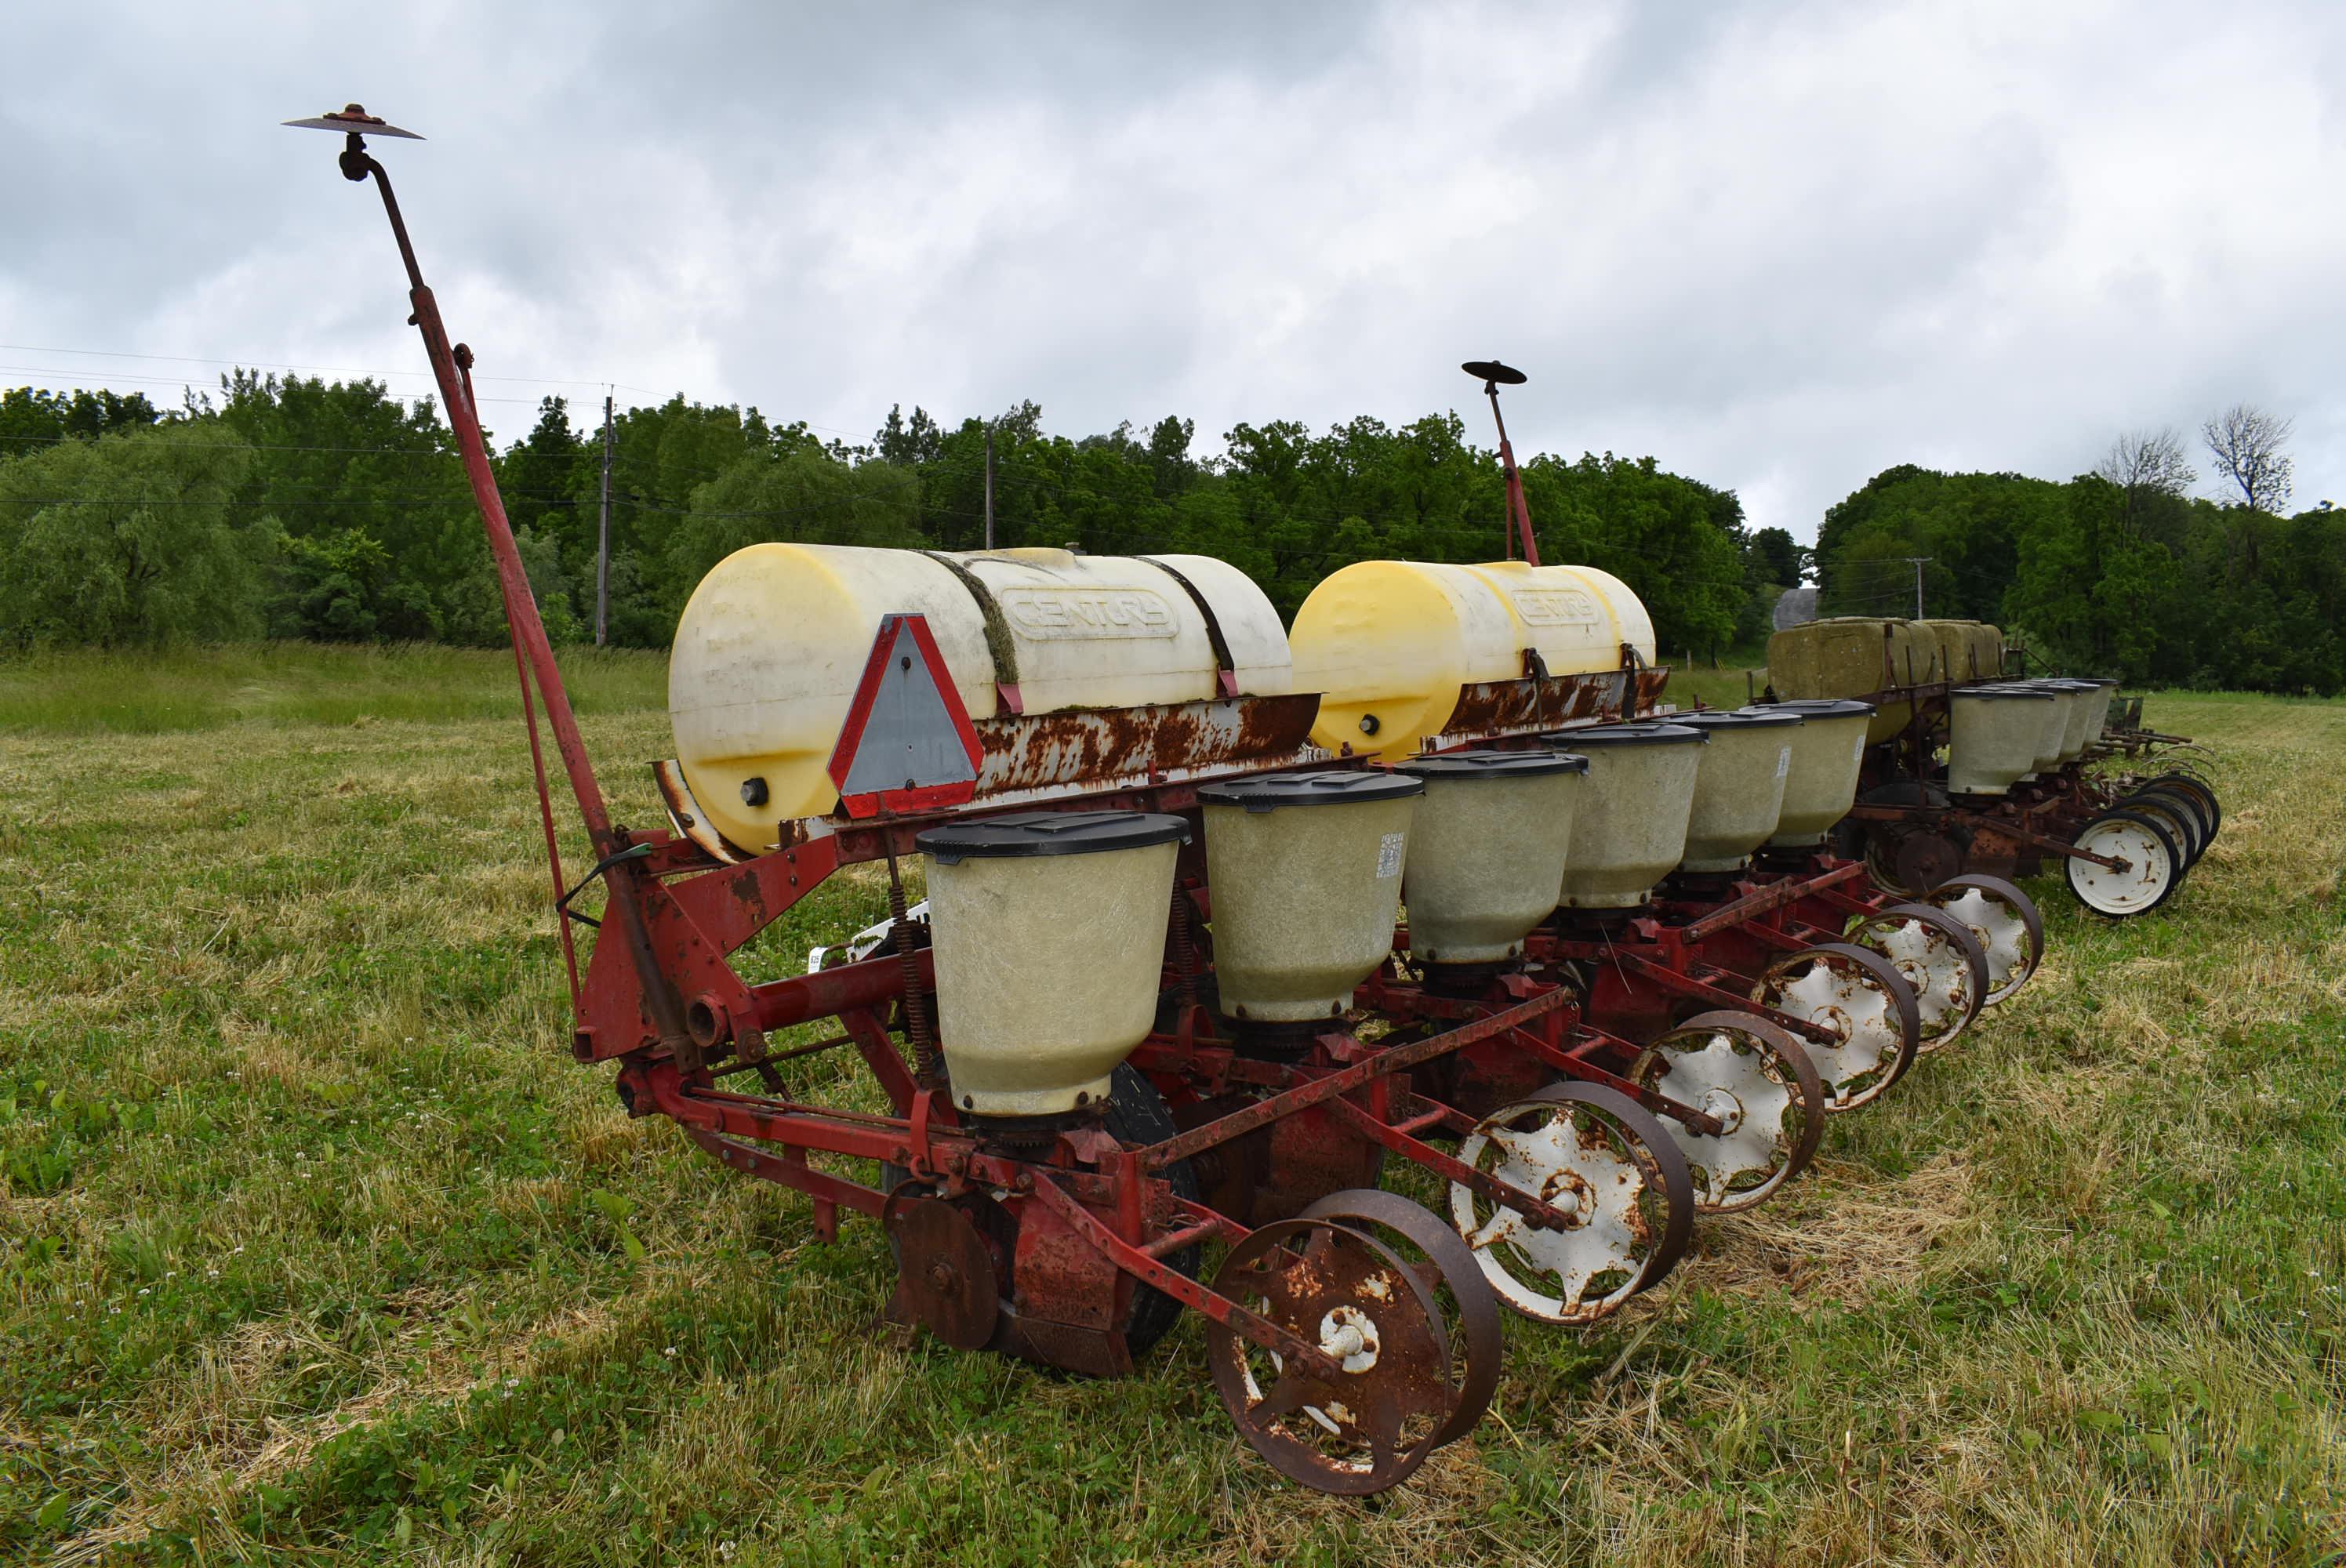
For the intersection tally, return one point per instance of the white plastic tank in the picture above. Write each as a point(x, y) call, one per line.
point(2077, 723)
point(1049, 936)
point(1828, 756)
point(1630, 831)
point(1304, 871)
point(1486, 851)
point(1389, 644)
point(770, 648)
point(1739, 790)
point(2056, 723)
point(2097, 707)
point(1995, 734)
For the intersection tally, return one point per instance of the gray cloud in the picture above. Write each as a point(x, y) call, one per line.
point(1780, 247)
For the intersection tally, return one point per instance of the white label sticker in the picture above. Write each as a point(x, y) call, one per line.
point(1783, 762)
point(1389, 857)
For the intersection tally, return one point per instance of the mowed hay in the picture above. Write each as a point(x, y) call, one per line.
point(314, 1242)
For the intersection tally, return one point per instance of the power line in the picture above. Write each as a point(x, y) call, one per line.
point(108, 381)
point(268, 365)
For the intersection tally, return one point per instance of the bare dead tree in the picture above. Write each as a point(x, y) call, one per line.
point(2248, 446)
point(2141, 462)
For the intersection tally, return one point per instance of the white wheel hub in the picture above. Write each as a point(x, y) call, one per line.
point(2010, 956)
point(1350, 1335)
point(1584, 1269)
point(1934, 965)
point(1710, 1070)
point(2140, 884)
point(1864, 1025)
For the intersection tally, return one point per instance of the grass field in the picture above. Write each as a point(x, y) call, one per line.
point(314, 1243)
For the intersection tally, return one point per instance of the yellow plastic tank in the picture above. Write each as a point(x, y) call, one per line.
point(1388, 644)
point(773, 641)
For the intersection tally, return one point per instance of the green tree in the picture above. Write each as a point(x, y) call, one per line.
point(31, 417)
point(129, 539)
point(806, 495)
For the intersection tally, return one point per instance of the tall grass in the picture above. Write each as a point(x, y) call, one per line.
point(314, 1244)
point(149, 693)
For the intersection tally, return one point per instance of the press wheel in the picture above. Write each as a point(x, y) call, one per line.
point(2153, 869)
point(1443, 1262)
point(1759, 1082)
point(1937, 955)
point(1859, 996)
point(1370, 1426)
point(2004, 921)
point(2200, 792)
point(1592, 1152)
point(2178, 814)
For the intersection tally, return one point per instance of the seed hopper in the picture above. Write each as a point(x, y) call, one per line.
point(1161, 998)
point(1966, 769)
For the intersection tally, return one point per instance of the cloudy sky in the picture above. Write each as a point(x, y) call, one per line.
point(1780, 246)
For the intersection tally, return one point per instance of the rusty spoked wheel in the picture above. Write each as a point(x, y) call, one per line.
point(1859, 996)
point(1372, 1424)
point(1759, 1083)
point(2004, 921)
point(1440, 1259)
point(1937, 955)
point(1593, 1154)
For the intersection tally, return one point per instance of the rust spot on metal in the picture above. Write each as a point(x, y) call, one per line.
point(1534, 703)
point(747, 892)
point(1078, 750)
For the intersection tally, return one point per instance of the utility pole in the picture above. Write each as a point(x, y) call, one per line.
point(989, 487)
point(602, 537)
point(1918, 563)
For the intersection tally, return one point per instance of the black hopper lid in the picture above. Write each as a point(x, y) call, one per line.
point(1333, 787)
point(1737, 718)
point(1051, 833)
point(1488, 764)
point(1815, 708)
point(1652, 732)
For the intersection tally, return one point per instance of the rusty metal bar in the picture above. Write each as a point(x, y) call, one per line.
point(450, 370)
point(1175, 1240)
point(1764, 901)
point(822, 1185)
point(1580, 1066)
point(1184, 1289)
point(1543, 1214)
point(1688, 985)
point(1942, 816)
point(1262, 1112)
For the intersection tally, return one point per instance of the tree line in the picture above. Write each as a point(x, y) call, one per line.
point(291, 507)
point(2120, 571)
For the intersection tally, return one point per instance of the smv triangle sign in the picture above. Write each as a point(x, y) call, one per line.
point(908, 744)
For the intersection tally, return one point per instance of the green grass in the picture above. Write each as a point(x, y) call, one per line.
point(147, 693)
point(314, 1243)
point(1731, 686)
